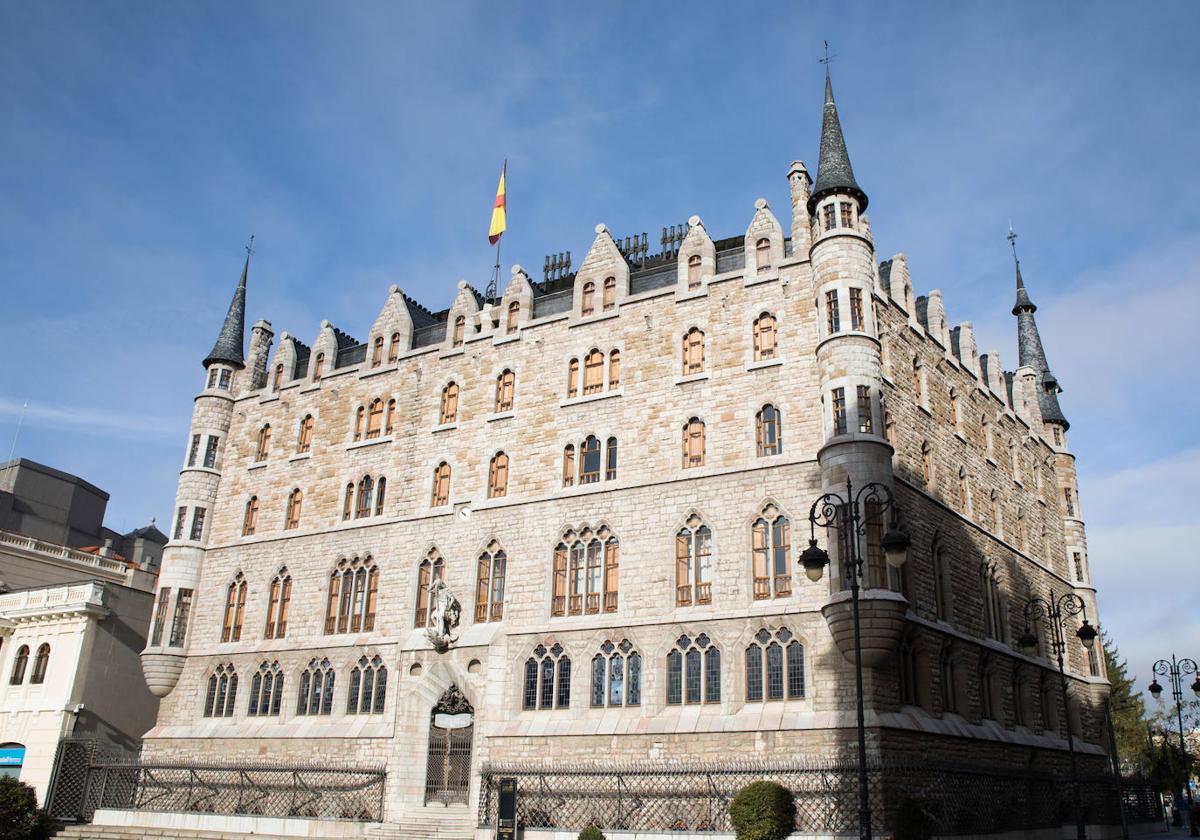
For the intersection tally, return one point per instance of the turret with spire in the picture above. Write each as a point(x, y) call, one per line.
point(228, 348)
point(834, 172)
point(1030, 351)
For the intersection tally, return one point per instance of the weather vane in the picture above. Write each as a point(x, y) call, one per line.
point(1012, 237)
point(249, 246)
point(828, 58)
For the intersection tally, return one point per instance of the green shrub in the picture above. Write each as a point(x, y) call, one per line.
point(912, 821)
point(20, 817)
point(763, 811)
point(591, 833)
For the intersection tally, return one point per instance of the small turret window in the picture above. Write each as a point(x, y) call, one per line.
point(833, 321)
point(838, 405)
point(829, 216)
point(846, 212)
point(212, 377)
point(864, 410)
point(856, 309)
point(197, 524)
point(762, 255)
point(694, 271)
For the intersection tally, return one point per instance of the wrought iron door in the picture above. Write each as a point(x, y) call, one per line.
point(448, 768)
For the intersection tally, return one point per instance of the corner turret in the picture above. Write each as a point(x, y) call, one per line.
point(231, 339)
point(1030, 352)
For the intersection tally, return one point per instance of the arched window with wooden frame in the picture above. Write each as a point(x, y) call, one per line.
point(348, 502)
point(278, 605)
point(505, 386)
point(318, 367)
point(693, 563)
point(514, 315)
point(770, 543)
point(294, 503)
point(774, 666)
point(431, 570)
point(449, 412)
point(441, 485)
point(568, 471)
point(489, 584)
point(586, 572)
point(762, 254)
point(768, 436)
point(693, 351)
point(693, 443)
point(616, 676)
point(364, 496)
point(460, 328)
point(374, 418)
point(266, 691)
point(235, 609)
point(304, 438)
point(589, 460)
point(263, 448)
point(41, 661)
point(498, 476)
point(587, 300)
point(277, 378)
point(221, 697)
point(573, 378)
point(389, 423)
point(316, 689)
point(765, 336)
point(20, 662)
point(610, 459)
point(377, 351)
point(609, 299)
point(694, 271)
point(380, 495)
point(368, 687)
point(593, 372)
point(693, 671)
point(394, 348)
point(360, 414)
point(614, 370)
point(353, 592)
point(250, 518)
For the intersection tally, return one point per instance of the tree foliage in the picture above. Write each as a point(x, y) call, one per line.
point(1128, 711)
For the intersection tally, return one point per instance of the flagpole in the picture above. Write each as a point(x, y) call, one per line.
point(494, 285)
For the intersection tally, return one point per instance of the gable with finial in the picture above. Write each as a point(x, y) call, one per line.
point(603, 261)
point(763, 226)
point(324, 351)
point(696, 245)
point(282, 367)
point(519, 292)
point(393, 325)
point(466, 307)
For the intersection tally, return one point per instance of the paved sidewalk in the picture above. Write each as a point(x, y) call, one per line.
point(1169, 834)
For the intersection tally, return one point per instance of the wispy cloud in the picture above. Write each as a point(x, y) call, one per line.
point(95, 421)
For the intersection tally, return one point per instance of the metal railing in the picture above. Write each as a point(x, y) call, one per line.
point(61, 552)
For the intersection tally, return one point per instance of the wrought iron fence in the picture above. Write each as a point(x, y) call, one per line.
point(949, 800)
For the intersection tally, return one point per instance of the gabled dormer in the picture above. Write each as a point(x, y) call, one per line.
point(697, 258)
point(516, 304)
point(764, 243)
point(391, 334)
point(462, 321)
point(602, 282)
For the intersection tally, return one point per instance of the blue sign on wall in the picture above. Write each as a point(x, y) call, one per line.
point(12, 756)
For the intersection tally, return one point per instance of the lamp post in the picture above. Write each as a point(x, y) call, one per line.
point(845, 513)
point(1175, 671)
point(1055, 611)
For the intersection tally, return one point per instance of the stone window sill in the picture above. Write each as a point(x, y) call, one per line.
point(302, 456)
point(444, 427)
point(764, 363)
point(499, 415)
point(257, 465)
point(990, 460)
point(314, 386)
point(691, 377)
point(363, 444)
point(925, 409)
point(587, 398)
point(960, 436)
point(453, 351)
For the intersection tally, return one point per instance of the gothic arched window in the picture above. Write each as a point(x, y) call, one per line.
point(765, 335)
point(374, 418)
point(277, 605)
point(768, 436)
point(316, 689)
point(304, 439)
point(774, 666)
point(489, 584)
point(614, 369)
point(547, 683)
point(593, 372)
point(221, 696)
point(394, 348)
point(586, 566)
point(693, 563)
point(693, 351)
point(587, 301)
point(266, 691)
point(366, 493)
point(694, 271)
point(498, 476)
point(264, 443)
point(377, 351)
point(693, 443)
point(589, 460)
point(762, 254)
point(505, 384)
point(514, 313)
point(770, 545)
point(693, 671)
point(368, 687)
point(441, 485)
point(353, 591)
point(432, 569)
point(235, 608)
point(295, 501)
point(617, 675)
point(609, 300)
point(250, 518)
point(449, 412)
point(460, 326)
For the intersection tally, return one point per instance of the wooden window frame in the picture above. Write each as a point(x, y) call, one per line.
point(498, 476)
point(693, 352)
point(765, 337)
point(695, 269)
point(449, 409)
point(587, 299)
point(441, 485)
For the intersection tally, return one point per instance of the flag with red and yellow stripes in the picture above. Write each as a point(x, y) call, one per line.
point(499, 219)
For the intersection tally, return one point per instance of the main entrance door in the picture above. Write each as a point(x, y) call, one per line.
point(448, 769)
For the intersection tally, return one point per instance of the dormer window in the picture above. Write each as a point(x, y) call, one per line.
point(693, 271)
point(460, 325)
point(609, 300)
point(514, 312)
point(587, 303)
point(762, 254)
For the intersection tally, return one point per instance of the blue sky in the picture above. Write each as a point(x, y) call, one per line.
point(143, 143)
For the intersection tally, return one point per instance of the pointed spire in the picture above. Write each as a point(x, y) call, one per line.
point(834, 173)
point(1029, 347)
point(231, 339)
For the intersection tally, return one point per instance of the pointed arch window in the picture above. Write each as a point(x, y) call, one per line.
point(614, 369)
point(394, 348)
point(693, 671)
point(366, 491)
point(694, 270)
point(41, 661)
point(926, 464)
point(304, 439)
point(441, 485)
point(460, 326)
point(449, 412)
point(505, 385)
point(368, 687)
point(587, 302)
point(514, 314)
point(693, 351)
point(547, 683)
point(264, 443)
point(767, 434)
point(221, 696)
point(318, 367)
point(586, 572)
point(389, 424)
point(693, 563)
point(266, 691)
point(353, 591)
point(609, 300)
point(277, 379)
point(770, 539)
point(568, 465)
point(573, 378)
point(359, 415)
point(348, 502)
point(374, 418)
point(498, 476)
point(489, 584)
point(610, 459)
point(616, 676)
point(316, 689)
point(235, 609)
point(964, 492)
point(377, 351)
point(589, 460)
point(593, 372)
point(918, 381)
point(380, 491)
point(693, 443)
point(762, 254)
point(765, 335)
point(278, 605)
point(431, 570)
point(943, 595)
point(295, 501)
point(774, 666)
point(250, 518)
point(20, 662)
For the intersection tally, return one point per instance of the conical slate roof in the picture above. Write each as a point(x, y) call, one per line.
point(1031, 353)
point(228, 348)
point(834, 173)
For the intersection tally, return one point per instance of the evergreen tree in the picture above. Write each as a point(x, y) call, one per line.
point(1128, 711)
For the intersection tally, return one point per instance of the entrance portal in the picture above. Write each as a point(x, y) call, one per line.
point(448, 770)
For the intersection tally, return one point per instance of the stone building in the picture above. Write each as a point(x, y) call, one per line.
point(612, 471)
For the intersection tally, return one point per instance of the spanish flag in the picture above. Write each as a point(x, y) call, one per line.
point(499, 219)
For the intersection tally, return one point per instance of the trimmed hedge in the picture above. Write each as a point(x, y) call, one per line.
point(763, 811)
point(591, 833)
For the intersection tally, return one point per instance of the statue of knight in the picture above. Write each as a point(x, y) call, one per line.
point(444, 613)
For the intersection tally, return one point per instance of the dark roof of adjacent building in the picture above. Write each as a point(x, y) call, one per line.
point(834, 173)
point(229, 346)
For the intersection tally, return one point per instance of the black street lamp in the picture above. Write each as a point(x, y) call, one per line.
point(1175, 671)
point(845, 514)
point(1055, 612)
